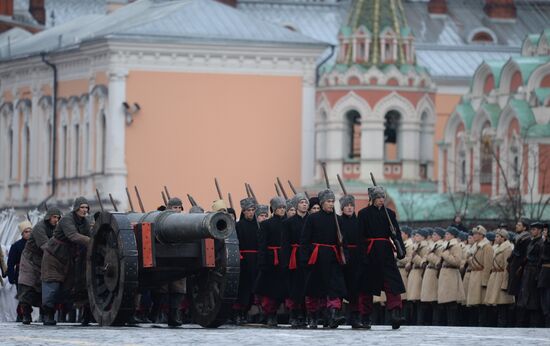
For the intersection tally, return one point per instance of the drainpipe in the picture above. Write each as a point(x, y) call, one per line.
point(318, 68)
point(54, 128)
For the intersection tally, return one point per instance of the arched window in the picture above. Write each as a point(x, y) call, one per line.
point(482, 37)
point(463, 171)
point(391, 136)
point(353, 134)
point(486, 156)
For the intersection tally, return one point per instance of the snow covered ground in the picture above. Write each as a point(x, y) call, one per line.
point(67, 334)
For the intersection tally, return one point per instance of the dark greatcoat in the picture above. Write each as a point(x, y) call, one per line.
point(516, 262)
point(14, 258)
point(380, 265)
point(247, 233)
point(529, 297)
point(290, 239)
point(31, 259)
point(544, 276)
point(325, 278)
point(62, 249)
point(353, 267)
point(270, 282)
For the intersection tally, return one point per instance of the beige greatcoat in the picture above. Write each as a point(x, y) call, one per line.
point(480, 264)
point(467, 253)
point(450, 288)
point(429, 280)
point(498, 281)
point(418, 261)
point(404, 264)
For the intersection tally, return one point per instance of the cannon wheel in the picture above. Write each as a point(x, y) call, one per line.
point(213, 292)
point(112, 269)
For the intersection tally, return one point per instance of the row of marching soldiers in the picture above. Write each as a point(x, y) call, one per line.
point(310, 259)
point(477, 278)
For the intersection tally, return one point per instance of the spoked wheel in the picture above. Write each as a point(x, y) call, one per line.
point(214, 291)
point(112, 269)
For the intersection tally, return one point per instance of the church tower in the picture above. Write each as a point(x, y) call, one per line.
point(375, 106)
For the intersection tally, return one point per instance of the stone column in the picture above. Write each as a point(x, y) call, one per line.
point(372, 149)
point(409, 150)
point(334, 147)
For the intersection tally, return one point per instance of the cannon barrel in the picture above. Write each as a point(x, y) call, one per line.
point(171, 227)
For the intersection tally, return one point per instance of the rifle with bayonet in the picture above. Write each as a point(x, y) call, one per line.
point(339, 236)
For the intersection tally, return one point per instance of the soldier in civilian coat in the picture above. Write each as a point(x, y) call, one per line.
point(529, 296)
point(498, 300)
point(30, 284)
point(60, 253)
point(480, 264)
point(450, 290)
point(544, 277)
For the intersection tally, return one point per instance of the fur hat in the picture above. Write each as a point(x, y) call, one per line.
point(463, 236)
point(277, 202)
point(491, 236)
point(219, 205)
point(262, 209)
point(479, 230)
point(248, 203)
point(79, 201)
point(290, 203)
point(423, 232)
point(313, 201)
point(174, 202)
point(376, 192)
point(196, 210)
point(503, 233)
point(439, 231)
point(24, 225)
point(454, 231)
point(325, 195)
point(346, 200)
point(51, 212)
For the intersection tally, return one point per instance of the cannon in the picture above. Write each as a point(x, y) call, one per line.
point(129, 252)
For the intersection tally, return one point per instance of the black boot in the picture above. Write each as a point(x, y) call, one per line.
point(335, 318)
point(483, 316)
point(293, 319)
point(366, 321)
point(312, 320)
point(49, 319)
point(355, 320)
point(240, 318)
point(26, 310)
point(86, 316)
point(301, 319)
point(174, 314)
point(452, 314)
point(547, 321)
point(72, 315)
point(396, 318)
point(502, 316)
point(272, 320)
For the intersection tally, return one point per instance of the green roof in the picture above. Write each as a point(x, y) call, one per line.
point(534, 38)
point(346, 31)
point(524, 114)
point(467, 113)
point(527, 64)
point(493, 110)
point(542, 94)
point(539, 131)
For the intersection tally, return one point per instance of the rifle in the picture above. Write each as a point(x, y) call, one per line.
point(282, 188)
point(393, 233)
point(277, 190)
point(248, 194)
point(167, 193)
point(342, 184)
point(252, 192)
point(191, 200)
point(139, 200)
point(339, 236)
point(230, 200)
point(99, 199)
point(294, 189)
point(164, 198)
point(220, 195)
point(113, 202)
point(130, 200)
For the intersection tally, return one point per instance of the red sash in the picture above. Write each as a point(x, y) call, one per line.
point(292, 263)
point(372, 240)
point(275, 254)
point(315, 253)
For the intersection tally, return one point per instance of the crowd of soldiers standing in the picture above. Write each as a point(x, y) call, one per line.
point(299, 256)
